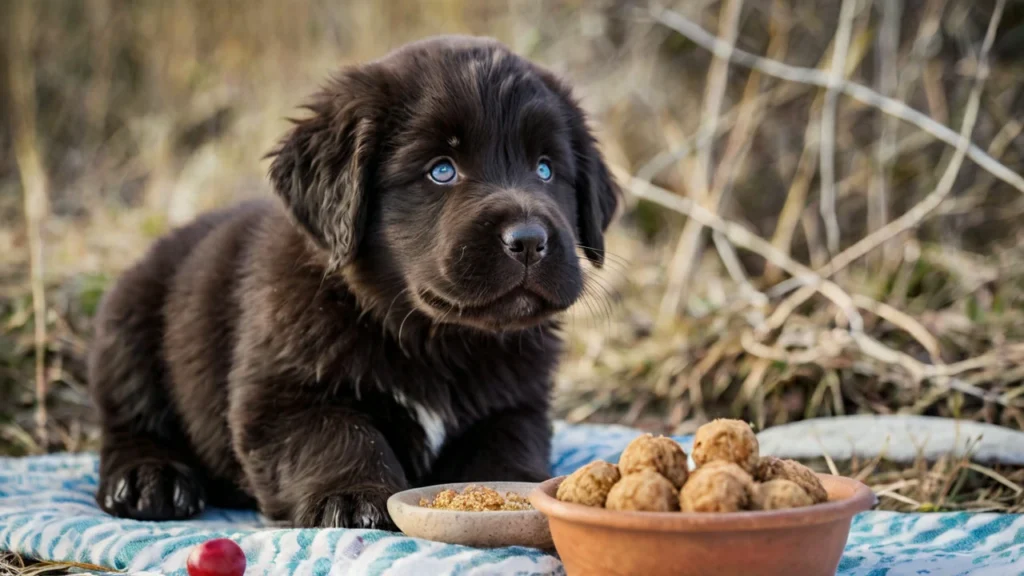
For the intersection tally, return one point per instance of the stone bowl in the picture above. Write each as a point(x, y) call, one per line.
point(480, 529)
point(801, 541)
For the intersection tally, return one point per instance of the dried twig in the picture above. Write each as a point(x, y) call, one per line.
point(886, 60)
point(826, 157)
point(681, 266)
point(33, 181)
point(796, 197)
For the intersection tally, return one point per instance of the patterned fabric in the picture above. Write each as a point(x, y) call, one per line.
point(47, 511)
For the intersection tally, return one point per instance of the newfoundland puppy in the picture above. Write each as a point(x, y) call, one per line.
point(389, 323)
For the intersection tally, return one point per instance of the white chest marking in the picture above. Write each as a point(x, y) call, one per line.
point(432, 423)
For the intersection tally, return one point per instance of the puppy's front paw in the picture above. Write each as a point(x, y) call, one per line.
point(357, 508)
point(151, 491)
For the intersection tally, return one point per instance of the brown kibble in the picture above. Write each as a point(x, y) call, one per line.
point(660, 454)
point(771, 468)
point(780, 495)
point(726, 440)
point(645, 490)
point(477, 499)
point(718, 487)
point(590, 484)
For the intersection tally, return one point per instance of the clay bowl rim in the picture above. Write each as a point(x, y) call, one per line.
point(861, 500)
point(404, 498)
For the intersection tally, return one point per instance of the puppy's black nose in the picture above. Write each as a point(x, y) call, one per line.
point(525, 242)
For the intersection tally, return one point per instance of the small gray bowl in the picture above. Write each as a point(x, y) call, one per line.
point(479, 529)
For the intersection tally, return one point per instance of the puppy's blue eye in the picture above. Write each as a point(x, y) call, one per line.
point(443, 172)
point(544, 170)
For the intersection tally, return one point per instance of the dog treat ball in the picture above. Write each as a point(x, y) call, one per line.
point(771, 468)
point(727, 440)
point(590, 484)
point(645, 490)
point(719, 487)
point(779, 495)
point(660, 454)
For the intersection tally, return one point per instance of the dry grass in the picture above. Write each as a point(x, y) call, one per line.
point(12, 564)
point(865, 207)
point(950, 484)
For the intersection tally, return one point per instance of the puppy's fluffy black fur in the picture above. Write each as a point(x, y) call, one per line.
point(374, 329)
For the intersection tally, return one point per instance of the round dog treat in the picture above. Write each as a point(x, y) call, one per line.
point(771, 468)
point(645, 490)
point(590, 484)
point(727, 440)
point(660, 454)
point(729, 467)
point(719, 487)
point(779, 495)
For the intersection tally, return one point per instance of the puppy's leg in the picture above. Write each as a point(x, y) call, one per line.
point(316, 466)
point(514, 445)
point(145, 468)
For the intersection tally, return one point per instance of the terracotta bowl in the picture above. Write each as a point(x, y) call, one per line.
point(480, 529)
point(799, 542)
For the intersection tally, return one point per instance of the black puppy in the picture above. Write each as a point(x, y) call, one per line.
point(390, 325)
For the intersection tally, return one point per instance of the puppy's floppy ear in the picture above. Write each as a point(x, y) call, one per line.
point(597, 194)
point(323, 167)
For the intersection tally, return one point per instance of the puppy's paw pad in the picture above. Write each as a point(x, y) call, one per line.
point(151, 491)
point(348, 510)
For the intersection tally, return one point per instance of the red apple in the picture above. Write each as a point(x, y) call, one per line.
point(218, 557)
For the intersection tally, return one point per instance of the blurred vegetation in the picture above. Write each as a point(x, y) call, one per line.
point(144, 114)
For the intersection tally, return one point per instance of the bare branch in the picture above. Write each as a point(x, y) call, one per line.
point(827, 156)
point(33, 180)
point(686, 253)
point(886, 61)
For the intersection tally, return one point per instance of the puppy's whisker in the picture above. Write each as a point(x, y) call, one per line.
point(605, 296)
point(602, 251)
point(595, 277)
point(592, 281)
point(608, 256)
point(600, 305)
point(602, 318)
point(610, 269)
point(588, 303)
point(596, 319)
point(608, 264)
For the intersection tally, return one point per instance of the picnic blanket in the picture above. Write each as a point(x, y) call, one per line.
point(47, 512)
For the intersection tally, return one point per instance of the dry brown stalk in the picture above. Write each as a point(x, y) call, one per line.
point(681, 265)
point(886, 62)
point(826, 157)
point(33, 181)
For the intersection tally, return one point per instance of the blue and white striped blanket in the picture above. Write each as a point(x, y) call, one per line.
point(47, 512)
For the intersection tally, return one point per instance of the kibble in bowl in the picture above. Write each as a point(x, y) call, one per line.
point(480, 514)
point(475, 498)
